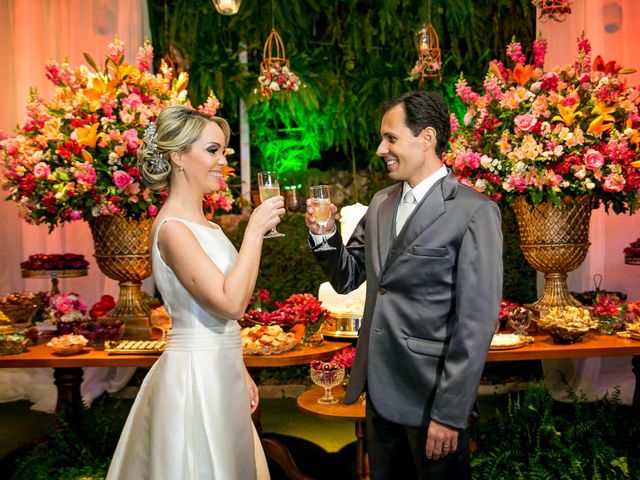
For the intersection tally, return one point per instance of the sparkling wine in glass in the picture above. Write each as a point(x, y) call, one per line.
point(269, 187)
point(321, 205)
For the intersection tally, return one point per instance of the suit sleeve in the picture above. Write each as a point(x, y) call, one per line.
point(477, 303)
point(344, 267)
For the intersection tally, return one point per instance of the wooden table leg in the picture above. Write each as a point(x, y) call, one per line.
point(273, 448)
point(635, 361)
point(68, 381)
point(362, 459)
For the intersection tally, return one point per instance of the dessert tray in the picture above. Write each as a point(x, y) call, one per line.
point(134, 347)
point(507, 341)
point(266, 340)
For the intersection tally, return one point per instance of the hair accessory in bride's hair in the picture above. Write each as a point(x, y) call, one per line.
point(156, 160)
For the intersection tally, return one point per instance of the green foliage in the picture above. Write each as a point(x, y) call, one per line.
point(519, 283)
point(351, 55)
point(535, 438)
point(80, 447)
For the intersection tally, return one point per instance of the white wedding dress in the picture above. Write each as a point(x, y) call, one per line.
point(191, 419)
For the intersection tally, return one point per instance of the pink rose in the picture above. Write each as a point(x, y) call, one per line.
point(613, 183)
point(121, 179)
point(41, 170)
point(525, 122)
point(593, 159)
point(131, 137)
point(152, 210)
point(75, 215)
point(64, 305)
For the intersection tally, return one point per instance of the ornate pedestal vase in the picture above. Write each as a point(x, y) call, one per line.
point(122, 254)
point(554, 241)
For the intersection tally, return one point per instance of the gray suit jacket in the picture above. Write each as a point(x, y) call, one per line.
point(433, 296)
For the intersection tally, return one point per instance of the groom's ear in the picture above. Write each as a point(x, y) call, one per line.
point(429, 138)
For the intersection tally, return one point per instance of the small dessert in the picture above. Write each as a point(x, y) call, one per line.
point(55, 261)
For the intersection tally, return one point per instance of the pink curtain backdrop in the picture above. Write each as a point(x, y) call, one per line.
point(613, 27)
point(35, 31)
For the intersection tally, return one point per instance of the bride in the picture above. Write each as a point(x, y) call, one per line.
point(192, 416)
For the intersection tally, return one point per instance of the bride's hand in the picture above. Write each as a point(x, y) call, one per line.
point(254, 396)
point(267, 215)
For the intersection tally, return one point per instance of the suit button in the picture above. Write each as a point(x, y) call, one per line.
point(382, 291)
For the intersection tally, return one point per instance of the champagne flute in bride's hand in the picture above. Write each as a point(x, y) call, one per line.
point(269, 187)
point(321, 205)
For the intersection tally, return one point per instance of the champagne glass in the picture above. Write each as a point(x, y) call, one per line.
point(321, 205)
point(327, 375)
point(269, 187)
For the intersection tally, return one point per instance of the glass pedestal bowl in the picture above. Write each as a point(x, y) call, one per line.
point(327, 376)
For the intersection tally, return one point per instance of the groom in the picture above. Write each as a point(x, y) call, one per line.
point(431, 252)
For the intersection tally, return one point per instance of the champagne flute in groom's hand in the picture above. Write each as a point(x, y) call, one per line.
point(321, 205)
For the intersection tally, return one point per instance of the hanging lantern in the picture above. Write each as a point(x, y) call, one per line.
point(557, 10)
point(429, 64)
point(275, 74)
point(227, 7)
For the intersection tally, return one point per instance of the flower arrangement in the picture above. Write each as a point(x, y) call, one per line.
point(549, 135)
point(259, 299)
point(66, 307)
point(74, 157)
point(278, 78)
point(345, 357)
point(607, 309)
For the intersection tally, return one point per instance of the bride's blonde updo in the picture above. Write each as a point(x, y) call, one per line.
point(175, 130)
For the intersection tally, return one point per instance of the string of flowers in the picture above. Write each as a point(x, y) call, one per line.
point(549, 135)
point(74, 157)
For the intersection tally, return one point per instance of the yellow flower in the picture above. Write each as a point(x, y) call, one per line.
point(604, 120)
point(87, 136)
point(567, 114)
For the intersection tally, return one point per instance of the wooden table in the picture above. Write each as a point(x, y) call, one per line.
point(308, 403)
point(542, 348)
point(68, 379)
point(592, 345)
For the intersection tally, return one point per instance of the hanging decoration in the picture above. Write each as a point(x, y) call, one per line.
point(275, 75)
point(557, 10)
point(227, 7)
point(429, 63)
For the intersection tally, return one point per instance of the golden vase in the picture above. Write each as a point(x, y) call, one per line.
point(554, 241)
point(122, 253)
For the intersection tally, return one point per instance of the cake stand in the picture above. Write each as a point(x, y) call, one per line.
point(54, 275)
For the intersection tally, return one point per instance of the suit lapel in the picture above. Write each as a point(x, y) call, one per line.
point(430, 208)
point(386, 216)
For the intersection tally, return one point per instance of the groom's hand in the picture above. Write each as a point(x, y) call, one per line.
point(312, 223)
point(441, 440)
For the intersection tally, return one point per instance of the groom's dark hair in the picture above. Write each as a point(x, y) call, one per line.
point(422, 110)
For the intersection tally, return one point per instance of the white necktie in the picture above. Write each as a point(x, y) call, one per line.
point(405, 208)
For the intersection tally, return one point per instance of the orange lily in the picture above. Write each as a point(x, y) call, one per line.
point(611, 67)
point(87, 156)
point(227, 170)
point(521, 74)
point(87, 136)
point(636, 164)
point(604, 120)
point(567, 114)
